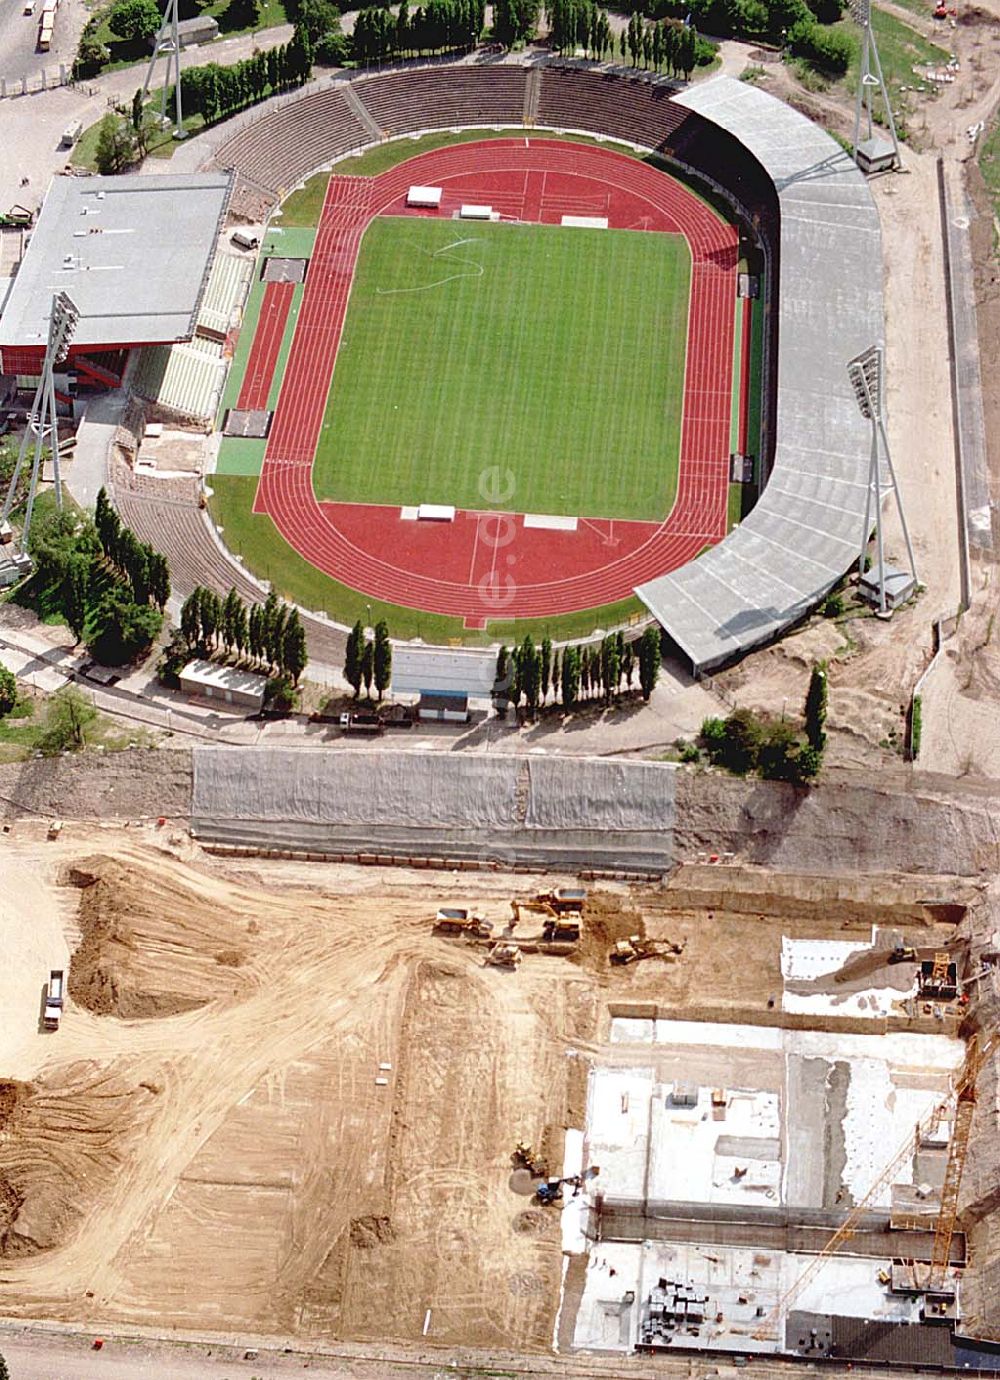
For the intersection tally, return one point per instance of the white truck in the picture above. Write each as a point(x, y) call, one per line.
point(54, 999)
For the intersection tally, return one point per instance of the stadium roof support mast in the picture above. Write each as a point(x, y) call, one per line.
point(870, 79)
point(866, 373)
point(168, 42)
point(42, 419)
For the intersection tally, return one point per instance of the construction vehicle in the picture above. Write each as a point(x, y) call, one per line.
point(524, 1158)
point(456, 920)
point(564, 898)
point(559, 926)
point(53, 1000)
point(504, 955)
point(960, 1103)
point(551, 1190)
point(17, 218)
point(903, 953)
point(361, 721)
point(635, 948)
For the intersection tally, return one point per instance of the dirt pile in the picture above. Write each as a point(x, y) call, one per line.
point(60, 1136)
point(608, 918)
point(151, 945)
point(370, 1231)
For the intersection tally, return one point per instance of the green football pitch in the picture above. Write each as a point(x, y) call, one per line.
point(526, 368)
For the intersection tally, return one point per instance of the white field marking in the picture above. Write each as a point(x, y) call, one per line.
point(452, 278)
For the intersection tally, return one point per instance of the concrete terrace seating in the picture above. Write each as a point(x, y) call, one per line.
point(631, 108)
point(436, 97)
point(292, 140)
point(180, 530)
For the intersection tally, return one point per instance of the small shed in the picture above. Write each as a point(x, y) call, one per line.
point(876, 155)
point(429, 671)
point(899, 586)
point(226, 684)
point(202, 28)
point(428, 197)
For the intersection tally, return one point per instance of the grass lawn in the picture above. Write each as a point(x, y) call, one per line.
point(554, 357)
point(233, 16)
point(161, 144)
point(265, 551)
point(900, 48)
point(989, 163)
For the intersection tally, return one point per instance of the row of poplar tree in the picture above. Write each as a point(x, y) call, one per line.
point(271, 634)
point(368, 660)
point(216, 92)
point(439, 26)
point(136, 561)
point(599, 670)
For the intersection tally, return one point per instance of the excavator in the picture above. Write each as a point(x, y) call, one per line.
point(636, 948)
point(558, 926)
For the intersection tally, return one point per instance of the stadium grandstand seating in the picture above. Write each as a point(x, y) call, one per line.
point(415, 98)
point(196, 558)
point(291, 140)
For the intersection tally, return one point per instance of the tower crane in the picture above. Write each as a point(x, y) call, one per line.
point(961, 1100)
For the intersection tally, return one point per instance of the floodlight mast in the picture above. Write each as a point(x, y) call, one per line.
point(43, 418)
point(866, 374)
point(168, 42)
point(869, 81)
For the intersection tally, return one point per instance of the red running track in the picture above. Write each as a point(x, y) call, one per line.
point(485, 565)
point(267, 340)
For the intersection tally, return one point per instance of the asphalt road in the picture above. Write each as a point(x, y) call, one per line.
point(19, 34)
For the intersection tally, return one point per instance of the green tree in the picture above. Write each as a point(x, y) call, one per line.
point(8, 690)
point(119, 629)
point(354, 650)
point(501, 681)
point(115, 145)
point(75, 589)
point(649, 660)
point(227, 620)
point(570, 678)
point(241, 628)
point(531, 673)
point(191, 617)
point(382, 658)
point(210, 612)
point(546, 667)
point(159, 579)
point(67, 717)
point(295, 655)
point(815, 707)
point(134, 20)
point(255, 637)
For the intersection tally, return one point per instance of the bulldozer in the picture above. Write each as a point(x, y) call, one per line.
point(503, 955)
point(635, 948)
point(467, 923)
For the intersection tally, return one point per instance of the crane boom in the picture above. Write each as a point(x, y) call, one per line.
point(962, 1096)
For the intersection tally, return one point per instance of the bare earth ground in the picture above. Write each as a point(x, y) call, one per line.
point(203, 1144)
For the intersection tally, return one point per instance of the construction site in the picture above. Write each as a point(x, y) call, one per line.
point(739, 1110)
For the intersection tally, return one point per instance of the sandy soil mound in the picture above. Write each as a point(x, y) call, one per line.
point(60, 1136)
point(609, 917)
point(150, 945)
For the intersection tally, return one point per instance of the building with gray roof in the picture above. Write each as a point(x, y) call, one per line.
point(805, 530)
point(134, 254)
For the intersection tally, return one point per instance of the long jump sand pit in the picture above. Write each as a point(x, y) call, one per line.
point(277, 1103)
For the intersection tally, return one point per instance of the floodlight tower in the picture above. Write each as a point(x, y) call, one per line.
point(866, 372)
point(43, 420)
point(167, 42)
point(870, 80)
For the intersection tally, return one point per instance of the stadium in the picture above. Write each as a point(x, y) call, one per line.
point(464, 393)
